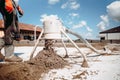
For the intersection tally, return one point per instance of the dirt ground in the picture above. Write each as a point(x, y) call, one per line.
point(32, 70)
point(44, 61)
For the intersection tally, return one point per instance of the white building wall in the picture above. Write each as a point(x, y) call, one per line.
point(114, 36)
point(111, 36)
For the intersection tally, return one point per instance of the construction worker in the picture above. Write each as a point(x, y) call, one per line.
point(9, 9)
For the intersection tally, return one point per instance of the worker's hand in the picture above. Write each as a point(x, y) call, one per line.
point(20, 11)
point(8, 6)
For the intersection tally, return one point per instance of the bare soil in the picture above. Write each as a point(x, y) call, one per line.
point(32, 70)
point(44, 61)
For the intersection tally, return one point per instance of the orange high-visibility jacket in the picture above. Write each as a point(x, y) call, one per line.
point(9, 6)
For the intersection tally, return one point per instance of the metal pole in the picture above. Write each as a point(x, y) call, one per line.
point(35, 32)
point(85, 41)
point(84, 64)
point(36, 44)
point(66, 56)
point(74, 44)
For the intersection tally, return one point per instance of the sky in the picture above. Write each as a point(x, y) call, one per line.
point(85, 17)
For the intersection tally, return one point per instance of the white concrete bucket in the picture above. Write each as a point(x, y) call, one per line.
point(52, 29)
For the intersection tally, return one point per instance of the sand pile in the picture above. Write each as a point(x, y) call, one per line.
point(32, 70)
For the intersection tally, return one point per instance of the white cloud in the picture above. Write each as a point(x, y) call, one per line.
point(104, 23)
point(82, 24)
point(42, 17)
point(53, 1)
point(46, 17)
point(74, 14)
point(114, 10)
point(105, 19)
point(74, 5)
point(101, 26)
point(71, 4)
point(88, 29)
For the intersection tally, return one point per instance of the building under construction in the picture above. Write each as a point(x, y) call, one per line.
point(27, 31)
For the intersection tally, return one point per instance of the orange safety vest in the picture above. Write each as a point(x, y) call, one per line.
point(9, 6)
